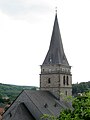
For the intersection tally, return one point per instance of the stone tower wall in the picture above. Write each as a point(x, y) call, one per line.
point(53, 85)
point(51, 79)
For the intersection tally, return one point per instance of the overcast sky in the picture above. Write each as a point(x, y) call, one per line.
point(25, 34)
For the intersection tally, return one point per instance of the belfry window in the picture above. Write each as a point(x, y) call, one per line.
point(49, 80)
point(67, 80)
point(63, 80)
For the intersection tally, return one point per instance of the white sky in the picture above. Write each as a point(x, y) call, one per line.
point(25, 34)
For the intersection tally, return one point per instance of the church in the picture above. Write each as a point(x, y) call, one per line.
point(55, 84)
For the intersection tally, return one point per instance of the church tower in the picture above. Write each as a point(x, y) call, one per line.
point(55, 71)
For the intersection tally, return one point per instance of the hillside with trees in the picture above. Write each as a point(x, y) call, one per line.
point(8, 93)
point(80, 88)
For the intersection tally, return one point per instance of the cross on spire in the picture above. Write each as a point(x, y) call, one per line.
point(56, 9)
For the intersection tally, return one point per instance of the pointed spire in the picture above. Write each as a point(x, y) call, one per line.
point(56, 53)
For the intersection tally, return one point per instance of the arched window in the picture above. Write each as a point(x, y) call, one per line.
point(63, 80)
point(49, 80)
point(67, 80)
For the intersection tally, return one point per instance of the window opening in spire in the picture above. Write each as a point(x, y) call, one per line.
point(50, 60)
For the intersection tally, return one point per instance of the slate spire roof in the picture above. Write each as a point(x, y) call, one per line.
point(56, 53)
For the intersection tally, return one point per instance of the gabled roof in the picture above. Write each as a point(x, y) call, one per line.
point(56, 53)
point(31, 105)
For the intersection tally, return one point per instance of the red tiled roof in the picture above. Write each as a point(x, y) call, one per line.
point(1, 111)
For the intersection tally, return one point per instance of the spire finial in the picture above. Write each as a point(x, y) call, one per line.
point(56, 9)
